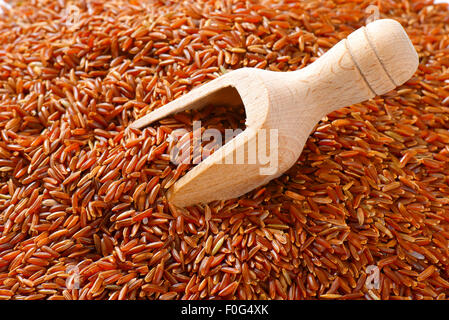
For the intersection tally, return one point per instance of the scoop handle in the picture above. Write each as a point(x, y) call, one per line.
point(371, 61)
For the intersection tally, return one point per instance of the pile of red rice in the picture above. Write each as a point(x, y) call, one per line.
point(83, 213)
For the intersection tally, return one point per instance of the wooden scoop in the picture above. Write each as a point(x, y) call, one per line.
point(371, 61)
